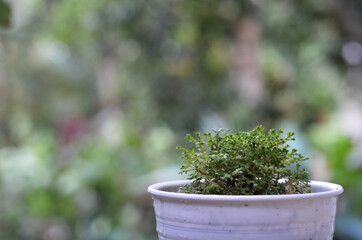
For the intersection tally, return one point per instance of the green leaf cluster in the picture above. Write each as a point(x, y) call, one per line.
point(243, 163)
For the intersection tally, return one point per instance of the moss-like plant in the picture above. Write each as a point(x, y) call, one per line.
point(243, 163)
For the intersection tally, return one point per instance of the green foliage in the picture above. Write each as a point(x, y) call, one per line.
point(243, 163)
point(5, 14)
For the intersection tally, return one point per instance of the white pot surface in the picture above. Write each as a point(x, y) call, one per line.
point(182, 216)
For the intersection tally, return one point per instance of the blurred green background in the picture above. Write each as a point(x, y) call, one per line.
point(95, 95)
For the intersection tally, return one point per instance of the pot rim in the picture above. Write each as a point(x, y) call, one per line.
point(328, 190)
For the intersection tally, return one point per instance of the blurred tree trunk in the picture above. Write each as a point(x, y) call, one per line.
point(246, 65)
point(348, 15)
point(107, 81)
point(6, 98)
point(348, 12)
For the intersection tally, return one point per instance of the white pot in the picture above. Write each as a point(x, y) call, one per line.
point(182, 216)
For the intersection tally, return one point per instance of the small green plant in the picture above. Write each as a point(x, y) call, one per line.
point(243, 163)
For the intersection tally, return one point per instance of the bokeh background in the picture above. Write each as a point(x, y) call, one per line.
point(95, 95)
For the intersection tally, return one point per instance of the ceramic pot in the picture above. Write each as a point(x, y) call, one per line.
point(181, 216)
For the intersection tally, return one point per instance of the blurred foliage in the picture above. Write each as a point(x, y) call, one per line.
point(5, 14)
point(96, 94)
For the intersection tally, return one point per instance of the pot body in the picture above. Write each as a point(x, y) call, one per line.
point(181, 216)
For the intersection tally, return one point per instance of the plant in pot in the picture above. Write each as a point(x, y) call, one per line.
point(244, 185)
